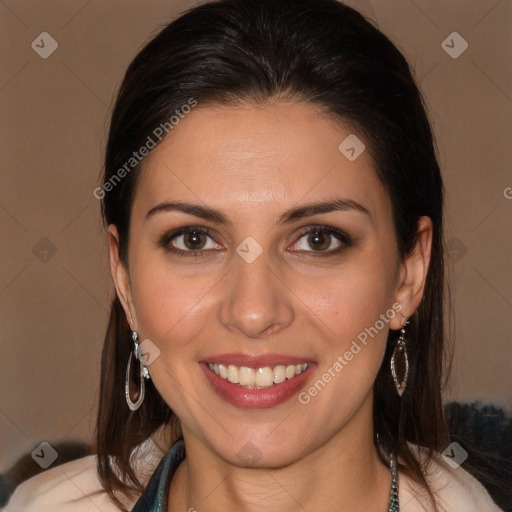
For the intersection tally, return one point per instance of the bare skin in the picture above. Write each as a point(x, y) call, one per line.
point(252, 164)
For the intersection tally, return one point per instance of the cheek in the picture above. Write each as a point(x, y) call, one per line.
point(347, 300)
point(352, 309)
point(172, 312)
point(171, 307)
point(169, 301)
point(354, 344)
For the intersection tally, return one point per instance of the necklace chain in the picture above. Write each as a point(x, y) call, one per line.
point(394, 506)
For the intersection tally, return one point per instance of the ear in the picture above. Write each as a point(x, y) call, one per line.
point(121, 277)
point(413, 274)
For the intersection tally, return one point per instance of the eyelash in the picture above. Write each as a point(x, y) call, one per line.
point(341, 236)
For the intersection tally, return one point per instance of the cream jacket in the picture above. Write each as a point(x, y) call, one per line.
point(71, 487)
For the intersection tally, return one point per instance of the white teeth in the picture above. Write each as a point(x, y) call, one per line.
point(233, 375)
point(246, 376)
point(223, 371)
point(262, 377)
point(280, 373)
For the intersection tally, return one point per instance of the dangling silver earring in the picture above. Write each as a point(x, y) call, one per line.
point(143, 374)
point(402, 349)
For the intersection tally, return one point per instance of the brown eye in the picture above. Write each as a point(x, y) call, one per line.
point(319, 241)
point(322, 239)
point(189, 241)
point(194, 240)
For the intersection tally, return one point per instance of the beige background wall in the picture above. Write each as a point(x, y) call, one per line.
point(54, 283)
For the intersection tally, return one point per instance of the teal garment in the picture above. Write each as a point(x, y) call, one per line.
point(154, 497)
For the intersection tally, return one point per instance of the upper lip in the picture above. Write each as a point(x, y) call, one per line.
point(254, 361)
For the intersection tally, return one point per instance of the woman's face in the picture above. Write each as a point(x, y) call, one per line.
point(247, 288)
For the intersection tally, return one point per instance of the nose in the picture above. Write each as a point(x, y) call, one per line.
point(257, 301)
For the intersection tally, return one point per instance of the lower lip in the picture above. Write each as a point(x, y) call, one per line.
point(262, 398)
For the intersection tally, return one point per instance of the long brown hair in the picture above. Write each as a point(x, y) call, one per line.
point(317, 51)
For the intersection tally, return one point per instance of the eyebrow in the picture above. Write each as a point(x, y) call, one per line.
point(294, 214)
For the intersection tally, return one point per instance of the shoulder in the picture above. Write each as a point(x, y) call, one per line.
point(455, 489)
point(75, 486)
point(458, 490)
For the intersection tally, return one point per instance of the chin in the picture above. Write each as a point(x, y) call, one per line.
point(260, 452)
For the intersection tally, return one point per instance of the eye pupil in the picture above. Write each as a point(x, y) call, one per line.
point(194, 237)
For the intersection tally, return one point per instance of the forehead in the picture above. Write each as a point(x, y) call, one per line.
point(243, 157)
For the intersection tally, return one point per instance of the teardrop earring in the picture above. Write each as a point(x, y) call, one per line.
point(400, 352)
point(143, 374)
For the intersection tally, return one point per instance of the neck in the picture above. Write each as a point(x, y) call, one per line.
point(344, 474)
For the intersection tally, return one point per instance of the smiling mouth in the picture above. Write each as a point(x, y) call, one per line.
point(257, 378)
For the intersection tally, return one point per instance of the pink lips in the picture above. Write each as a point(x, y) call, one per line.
point(255, 398)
